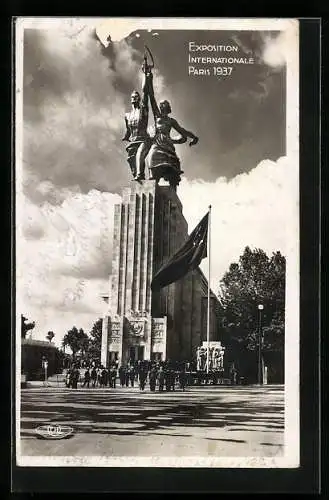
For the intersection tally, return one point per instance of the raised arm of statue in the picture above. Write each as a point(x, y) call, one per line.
point(184, 133)
point(154, 105)
point(145, 91)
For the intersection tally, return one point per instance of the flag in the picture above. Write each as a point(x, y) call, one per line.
point(187, 258)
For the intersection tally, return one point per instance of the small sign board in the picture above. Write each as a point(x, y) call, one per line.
point(213, 344)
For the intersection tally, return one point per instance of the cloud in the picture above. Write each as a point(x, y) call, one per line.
point(64, 259)
point(280, 49)
point(73, 113)
point(76, 92)
point(253, 209)
point(74, 103)
point(114, 30)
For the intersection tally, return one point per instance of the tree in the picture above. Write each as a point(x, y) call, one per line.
point(25, 327)
point(50, 335)
point(96, 339)
point(256, 279)
point(84, 342)
point(76, 340)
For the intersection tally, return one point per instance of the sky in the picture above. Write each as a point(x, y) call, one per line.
point(75, 93)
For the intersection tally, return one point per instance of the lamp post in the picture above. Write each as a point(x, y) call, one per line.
point(45, 367)
point(260, 378)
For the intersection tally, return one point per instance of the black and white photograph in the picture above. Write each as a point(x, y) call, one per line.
point(157, 242)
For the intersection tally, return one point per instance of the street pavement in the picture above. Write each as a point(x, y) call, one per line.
point(210, 421)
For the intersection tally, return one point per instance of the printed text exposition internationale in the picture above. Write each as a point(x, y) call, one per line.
point(196, 59)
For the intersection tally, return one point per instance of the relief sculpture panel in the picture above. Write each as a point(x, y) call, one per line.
point(115, 336)
point(158, 331)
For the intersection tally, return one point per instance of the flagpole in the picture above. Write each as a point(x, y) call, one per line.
point(169, 253)
point(208, 309)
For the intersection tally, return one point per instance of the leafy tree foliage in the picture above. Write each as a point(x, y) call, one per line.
point(79, 342)
point(96, 339)
point(25, 326)
point(256, 279)
point(50, 335)
point(76, 340)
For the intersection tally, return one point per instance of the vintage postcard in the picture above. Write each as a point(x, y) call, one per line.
point(157, 242)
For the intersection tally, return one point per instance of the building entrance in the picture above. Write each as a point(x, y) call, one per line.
point(136, 353)
point(113, 356)
point(156, 356)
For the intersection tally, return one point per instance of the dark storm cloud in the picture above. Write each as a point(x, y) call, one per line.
point(73, 120)
point(76, 93)
point(42, 76)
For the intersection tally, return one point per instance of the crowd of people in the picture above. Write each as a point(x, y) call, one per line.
point(161, 376)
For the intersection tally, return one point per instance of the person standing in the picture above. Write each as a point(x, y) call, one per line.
point(68, 378)
point(233, 375)
point(122, 375)
point(127, 376)
point(72, 377)
point(108, 377)
point(132, 376)
point(172, 379)
point(93, 376)
point(113, 376)
point(103, 377)
point(153, 378)
point(99, 376)
point(167, 379)
point(182, 378)
point(87, 378)
point(142, 378)
point(161, 378)
point(75, 378)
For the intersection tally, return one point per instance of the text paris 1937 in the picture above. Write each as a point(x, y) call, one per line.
point(213, 71)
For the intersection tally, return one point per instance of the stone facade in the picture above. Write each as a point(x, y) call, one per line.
point(140, 324)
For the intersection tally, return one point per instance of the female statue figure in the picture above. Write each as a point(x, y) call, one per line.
point(163, 161)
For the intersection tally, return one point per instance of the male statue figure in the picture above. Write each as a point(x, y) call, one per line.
point(136, 128)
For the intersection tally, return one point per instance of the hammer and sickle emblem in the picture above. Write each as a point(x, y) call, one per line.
point(138, 328)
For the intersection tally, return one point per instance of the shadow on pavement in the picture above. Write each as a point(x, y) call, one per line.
point(108, 414)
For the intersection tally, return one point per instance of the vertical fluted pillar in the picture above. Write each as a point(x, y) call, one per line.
point(116, 250)
point(137, 253)
point(130, 251)
point(105, 341)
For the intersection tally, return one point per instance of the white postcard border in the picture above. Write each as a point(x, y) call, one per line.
point(121, 27)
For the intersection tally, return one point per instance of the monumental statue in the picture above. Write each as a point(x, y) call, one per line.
point(163, 161)
point(136, 127)
point(216, 357)
point(201, 358)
